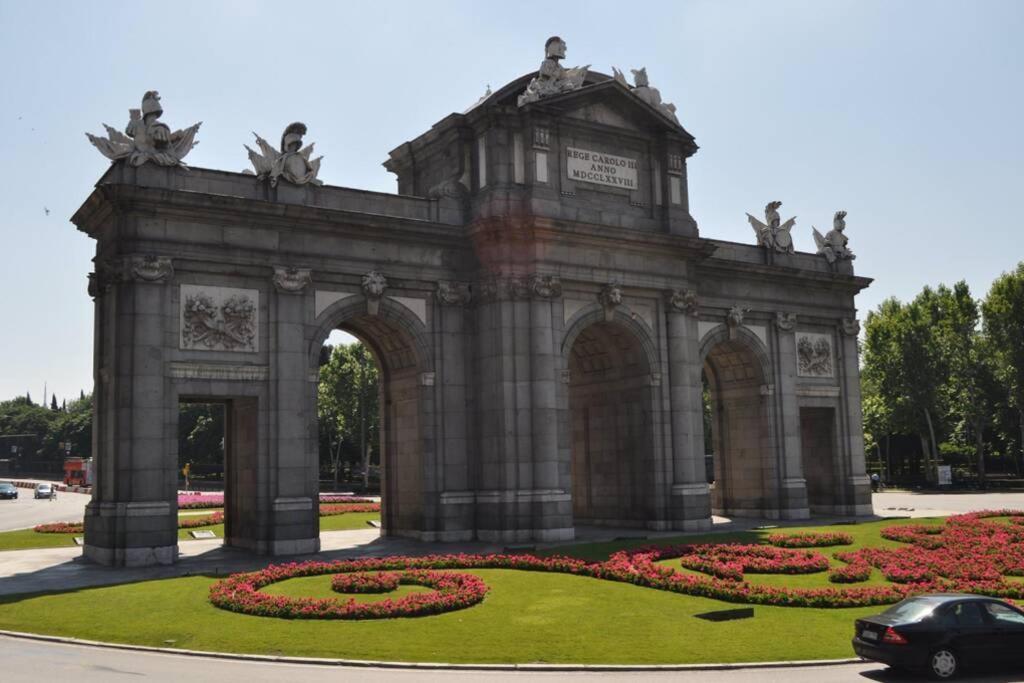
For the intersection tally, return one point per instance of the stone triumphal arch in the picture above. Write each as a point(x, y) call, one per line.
point(546, 315)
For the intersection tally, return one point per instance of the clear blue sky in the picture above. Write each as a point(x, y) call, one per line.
point(906, 114)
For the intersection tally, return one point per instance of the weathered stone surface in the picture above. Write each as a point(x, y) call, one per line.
point(545, 340)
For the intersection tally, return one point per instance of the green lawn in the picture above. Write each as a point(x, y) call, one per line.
point(25, 539)
point(527, 617)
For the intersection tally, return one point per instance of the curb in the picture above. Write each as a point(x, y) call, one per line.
point(433, 666)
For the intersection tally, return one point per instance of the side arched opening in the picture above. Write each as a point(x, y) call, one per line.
point(396, 341)
point(740, 440)
point(611, 425)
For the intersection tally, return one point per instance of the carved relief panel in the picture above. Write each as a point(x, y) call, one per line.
point(814, 355)
point(219, 318)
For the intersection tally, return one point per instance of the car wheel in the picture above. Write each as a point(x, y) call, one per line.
point(943, 664)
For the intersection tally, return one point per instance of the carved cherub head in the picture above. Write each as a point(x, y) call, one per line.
point(554, 48)
point(640, 77)
point(839, 221)
point(374, 284)
point(611, 295)
point(291, 138)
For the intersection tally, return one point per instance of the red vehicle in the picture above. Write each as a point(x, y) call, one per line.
point(78, 471)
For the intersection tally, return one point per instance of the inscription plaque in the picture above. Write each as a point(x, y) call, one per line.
point(599, 168)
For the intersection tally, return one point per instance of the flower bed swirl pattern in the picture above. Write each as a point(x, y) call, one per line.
point(969, 553)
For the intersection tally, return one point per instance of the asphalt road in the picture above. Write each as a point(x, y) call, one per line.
point(27, 660)
point(26, 512)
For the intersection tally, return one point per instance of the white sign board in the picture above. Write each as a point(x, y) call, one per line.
point(202, 534)
point(945, 475)
point(588, 166)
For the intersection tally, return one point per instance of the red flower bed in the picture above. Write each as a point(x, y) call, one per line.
point(330, 498)
point(810, 539)
point(969, 553)
point(728, 561)
point(852, 573)
point(205, 520)
point(60, 528)
point(380, 582)
point(331, 510)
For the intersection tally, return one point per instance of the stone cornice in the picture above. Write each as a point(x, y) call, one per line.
point(249, 212)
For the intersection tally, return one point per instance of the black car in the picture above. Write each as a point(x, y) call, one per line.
point(8, 491)
point(943, 634)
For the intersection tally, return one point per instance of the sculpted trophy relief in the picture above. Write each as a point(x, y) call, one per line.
point(146, 138)
point(645, 92)
point(292, 163)
point(772, 234)
point(833, 245)
point(553, 78)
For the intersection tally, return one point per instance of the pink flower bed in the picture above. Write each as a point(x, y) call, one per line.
point(331, 510)
point(360, 582)
point(333, 498)
point(204, 520)
point(810, 539)
point(969, 553)
point(728, 561)
point(79, 527)
point(60, 528)
point(199, 501)
point(335, 505)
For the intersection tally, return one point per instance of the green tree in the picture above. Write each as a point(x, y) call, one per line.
point(1003, 315)
point(201, 434)
point(905, 363)
point(347, 407)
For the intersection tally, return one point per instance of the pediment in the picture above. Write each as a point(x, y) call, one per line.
point(610, 103)
point(600, 112)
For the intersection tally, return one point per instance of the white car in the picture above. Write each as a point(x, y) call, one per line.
point(46, 491)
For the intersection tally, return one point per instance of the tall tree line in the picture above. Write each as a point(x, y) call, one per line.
point(348, 412)
point(949, 370)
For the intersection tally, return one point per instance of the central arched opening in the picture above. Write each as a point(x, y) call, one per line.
point(368, 421)
point(611, 428)
point(740, 439)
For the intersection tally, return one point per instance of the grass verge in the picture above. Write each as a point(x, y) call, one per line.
point(526, 617)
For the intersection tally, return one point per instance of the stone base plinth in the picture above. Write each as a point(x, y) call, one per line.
point(131, 534)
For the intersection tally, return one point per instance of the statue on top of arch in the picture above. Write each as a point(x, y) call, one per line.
point(146, 138)
point(773, 234)
point(553, 78)
point(292, 163)
point(833, 244)
point(646, 92)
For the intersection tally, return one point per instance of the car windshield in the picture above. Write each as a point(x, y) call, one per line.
point(912, 609)
point(6, 487)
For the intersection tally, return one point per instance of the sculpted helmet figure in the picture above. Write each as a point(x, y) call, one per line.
point(773, 234)
point(646, 92)
point(292, 163)
point(833, 245)
point(146, 138)
point(552, 78)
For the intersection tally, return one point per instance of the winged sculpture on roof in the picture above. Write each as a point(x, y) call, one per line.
point(773, 234)
point(832, 245)
point(291, 163)
point(146, 138)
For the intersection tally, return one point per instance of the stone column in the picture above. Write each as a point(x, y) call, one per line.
point(856, 485)
point(519, 425)
point(132, 518)
point(552, 504)
point(690, 501)
point(793, 496)
point(286, 487)
point(456, 499)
